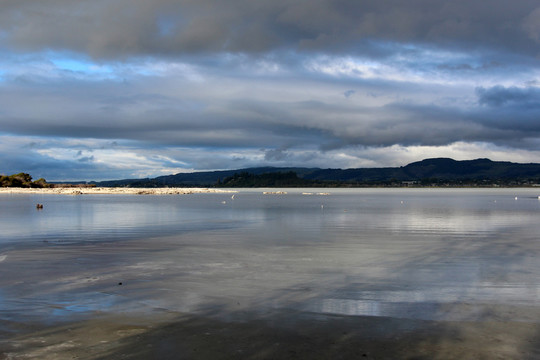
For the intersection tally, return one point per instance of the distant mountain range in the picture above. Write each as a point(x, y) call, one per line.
point(437, 171)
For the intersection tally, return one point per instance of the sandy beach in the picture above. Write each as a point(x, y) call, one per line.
point(110, 190)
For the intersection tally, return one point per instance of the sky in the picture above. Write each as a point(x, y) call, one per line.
point(115, 89)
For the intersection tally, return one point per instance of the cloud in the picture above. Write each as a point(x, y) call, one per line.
point(86, 159)
point(232, 111)
point(498, 96)
point(275, 155)
point(108, 89)
point(531, 25)
point(125, 28)
point(349, 93)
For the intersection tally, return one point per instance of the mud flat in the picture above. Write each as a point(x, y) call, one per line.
point(111, 190)
point(283, 335)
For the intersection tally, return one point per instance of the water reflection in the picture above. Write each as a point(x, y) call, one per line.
point(429, 254)
point(104, 217)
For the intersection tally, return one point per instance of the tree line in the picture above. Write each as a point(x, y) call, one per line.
point(22, 180)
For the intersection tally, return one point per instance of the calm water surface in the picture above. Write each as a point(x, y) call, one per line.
point(412, 253)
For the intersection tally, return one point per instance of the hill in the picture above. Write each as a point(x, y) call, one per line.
point(203, 178)
point(436, 171)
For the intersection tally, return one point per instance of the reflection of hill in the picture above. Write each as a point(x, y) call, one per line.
point(438, 171)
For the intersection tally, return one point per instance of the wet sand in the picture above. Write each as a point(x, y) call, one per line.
point(86, 313)
point(111, 190)
point(284, 335)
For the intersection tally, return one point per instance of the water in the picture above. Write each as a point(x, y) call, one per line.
point(434, 254)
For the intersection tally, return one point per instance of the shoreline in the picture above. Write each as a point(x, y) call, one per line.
point(112, 190)
point(278, 335)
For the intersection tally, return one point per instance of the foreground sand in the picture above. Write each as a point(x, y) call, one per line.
point(275, 336)
point(110, 190)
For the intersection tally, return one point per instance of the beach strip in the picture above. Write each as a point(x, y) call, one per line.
point(112, 190)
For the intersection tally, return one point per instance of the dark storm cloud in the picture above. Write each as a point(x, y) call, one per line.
point(200, 84)
point(121, 28)
point(513, 110)
point(40, 166)
point(275, 154)
point(498, 96)
point(431, 125)
point(112, 111)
